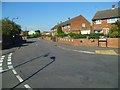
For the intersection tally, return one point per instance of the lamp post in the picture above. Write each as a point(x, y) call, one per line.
point(13, 28)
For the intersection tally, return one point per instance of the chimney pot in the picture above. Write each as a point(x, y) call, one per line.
point(113, 6)
point(68, 18)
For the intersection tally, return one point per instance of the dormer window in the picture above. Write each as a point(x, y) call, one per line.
point(98, 21)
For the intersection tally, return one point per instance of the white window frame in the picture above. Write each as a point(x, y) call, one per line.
point(98, 21)
point(83, 24)
point(68, 26)
point(112, 20)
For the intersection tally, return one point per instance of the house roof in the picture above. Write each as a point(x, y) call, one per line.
point(105, 14)
point(66, 22)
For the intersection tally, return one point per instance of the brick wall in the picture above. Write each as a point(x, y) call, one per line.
point(77, 23)
point(79, 42)
point(111, 42)
point(114, 42)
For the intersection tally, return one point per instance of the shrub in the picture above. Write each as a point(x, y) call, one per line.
point(62, 35)
point(59, 30)
point(95, 35)
point(114, 32)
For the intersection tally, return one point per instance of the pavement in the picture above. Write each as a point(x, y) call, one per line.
point(44, 64)
point(86, 49)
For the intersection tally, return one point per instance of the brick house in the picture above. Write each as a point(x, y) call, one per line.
point(77, 25)
point(103, 20)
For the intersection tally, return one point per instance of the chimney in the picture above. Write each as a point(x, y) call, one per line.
point(57, 23)
point(113, 6)
point(68, 18)
point(60, 21)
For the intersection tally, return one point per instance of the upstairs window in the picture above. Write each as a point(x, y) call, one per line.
point(113, 20)
point(83, 24)
point(98, 21)
point(68, 26)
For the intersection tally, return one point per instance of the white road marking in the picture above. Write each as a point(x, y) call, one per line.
point(1, 61)
point(19, 78)
point(9, 60)
point(9, 63)
point(10, 67)
point(3, 56)
point(10, 53)
point(0, 69)
point(0, 64)
point(9, 57)
point(78, 50)
point(84, 51)
point(14, 71)
point(27, 86)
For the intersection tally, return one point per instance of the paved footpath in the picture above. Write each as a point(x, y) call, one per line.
point(86, 49)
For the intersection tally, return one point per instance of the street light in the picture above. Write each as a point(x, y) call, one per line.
point(13, 27)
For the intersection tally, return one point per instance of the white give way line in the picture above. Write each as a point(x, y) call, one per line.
point(10, 66)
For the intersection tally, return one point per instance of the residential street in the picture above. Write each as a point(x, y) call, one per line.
point(43, 64)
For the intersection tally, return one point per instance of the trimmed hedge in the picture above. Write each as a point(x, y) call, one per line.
point(77, 36)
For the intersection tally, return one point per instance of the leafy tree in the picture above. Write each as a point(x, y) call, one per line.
point(37, 31)
point(10, 32)
point(59, 30)
point(115, 30)
point(25, 33)
point(10, 28)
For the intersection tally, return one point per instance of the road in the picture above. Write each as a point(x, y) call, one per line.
point(42, 64)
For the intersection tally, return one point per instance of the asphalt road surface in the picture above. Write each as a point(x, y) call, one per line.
point(42, 64)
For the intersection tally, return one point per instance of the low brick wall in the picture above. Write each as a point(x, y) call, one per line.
point(111, 42)
point(79, 42)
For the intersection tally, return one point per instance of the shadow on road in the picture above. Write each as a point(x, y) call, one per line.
point(41, 68)
point(45, 55)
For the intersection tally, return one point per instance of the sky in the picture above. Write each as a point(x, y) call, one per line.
point(45, 15)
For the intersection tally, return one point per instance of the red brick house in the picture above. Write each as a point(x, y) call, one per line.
point(74, 25)
point(103, 20)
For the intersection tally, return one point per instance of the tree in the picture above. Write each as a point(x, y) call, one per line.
point(10, 32)
point(25, 33)
point(38, 31)
point(10, 28)
point(59, 30)
point(115, 30)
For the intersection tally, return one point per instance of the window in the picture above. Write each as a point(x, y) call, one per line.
point(98, 21)
point(83, 24)
point(68, 26)
point(112, 20)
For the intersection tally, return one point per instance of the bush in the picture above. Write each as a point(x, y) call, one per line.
point(114, 32)
point(62, 35)
point(95, 35)
point(59, 30)
point(79, 36)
